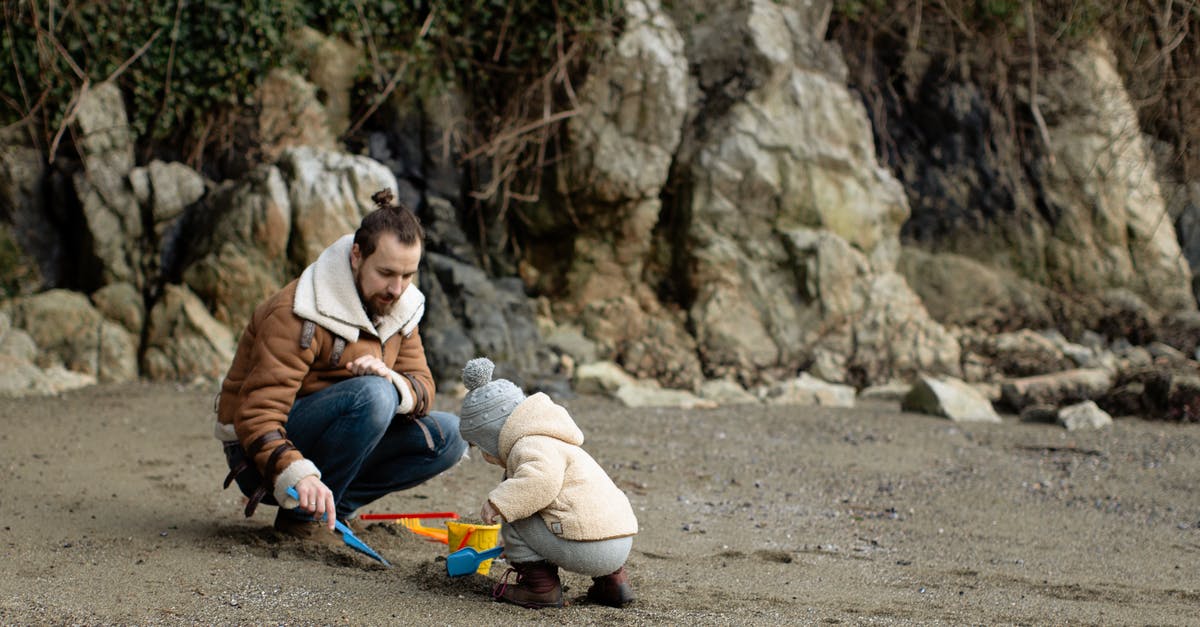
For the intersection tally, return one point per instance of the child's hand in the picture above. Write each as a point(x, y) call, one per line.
point(488, 513)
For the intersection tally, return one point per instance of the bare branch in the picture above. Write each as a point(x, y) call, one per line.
point(72, 109)
point(1031, 27)
point(391, 86)
point(136, 55)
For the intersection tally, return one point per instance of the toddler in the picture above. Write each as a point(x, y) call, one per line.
point(558, 508)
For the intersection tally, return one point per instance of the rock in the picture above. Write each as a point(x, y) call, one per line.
point(569, 340)
point(30, 248)
point(608, 379)
point(1085, 415)
point(19, 377)
point(1056, 389)
point(951, 398)
point(121, 302)
point(891, 391)
point(332, 66)
point(65, 326)
point(603, 377)
point(1022, 353)
point(648, 393)
point(726, 392)
point(15, 342)
point(291, 115)
point(169, 188)
point(619, 153)
point(1181, 329)
point(330, 192)
point(1040, 413)
point(469, 313)
point(183, 341)
point(1109, 208)
point(111, 210)
point(809, 390)
point(1159, 350)
point(958, 290)
point(236, 254)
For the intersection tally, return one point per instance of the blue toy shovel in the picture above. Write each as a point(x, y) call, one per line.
point(467, 560)
point(348, 536)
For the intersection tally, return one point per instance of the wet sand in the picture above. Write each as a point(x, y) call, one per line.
point(113, 513)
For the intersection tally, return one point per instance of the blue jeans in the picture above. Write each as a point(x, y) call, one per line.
point(364, 451)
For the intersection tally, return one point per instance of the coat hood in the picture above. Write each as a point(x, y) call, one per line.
point(538, 415)
point(326, 294)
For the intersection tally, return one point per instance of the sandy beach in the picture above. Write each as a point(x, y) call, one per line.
point(113, 513)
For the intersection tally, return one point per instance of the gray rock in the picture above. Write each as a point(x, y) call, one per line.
point(891, 391)
point(329, 192)
point(16, 342)
point(809, 390)
point(1056, 389)
point(950, 398)
point(726, 392)
point(236, 253)
point(67, 328)
point(183, 340)
point(123, 303)
point(1040, 413)
point(1085, 415)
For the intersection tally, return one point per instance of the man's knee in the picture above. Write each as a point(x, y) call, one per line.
point(377, 399)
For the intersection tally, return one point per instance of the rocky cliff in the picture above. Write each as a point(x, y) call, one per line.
point(718, 222)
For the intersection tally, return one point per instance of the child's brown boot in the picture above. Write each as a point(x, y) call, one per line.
point(537, 586)
point(612, 590)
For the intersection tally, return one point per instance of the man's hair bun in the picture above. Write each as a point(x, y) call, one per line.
point(383, 198)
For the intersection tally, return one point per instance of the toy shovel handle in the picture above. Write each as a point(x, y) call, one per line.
point(348, 536)
point(467, 560)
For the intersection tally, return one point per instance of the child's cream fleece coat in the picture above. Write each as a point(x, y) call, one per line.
point(547, 473)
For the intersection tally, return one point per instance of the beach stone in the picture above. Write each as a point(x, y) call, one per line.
point(809, 390)
point(891, 391)
point(951, 398)
point(726, 392)
point(1057, 388)
point(1085, 415)
point(1040, 413)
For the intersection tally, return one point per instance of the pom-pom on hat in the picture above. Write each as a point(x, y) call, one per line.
point(487, 405)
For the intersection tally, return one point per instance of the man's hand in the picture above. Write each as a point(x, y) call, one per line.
point(317, 499)
point(488, 513)
point(369, 364)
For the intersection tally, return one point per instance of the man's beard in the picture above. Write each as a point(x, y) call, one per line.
point(377, 305)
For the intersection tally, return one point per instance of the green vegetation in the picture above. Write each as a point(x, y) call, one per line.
point(189, 69)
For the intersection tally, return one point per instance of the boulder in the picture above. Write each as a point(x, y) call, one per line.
point(1085, 415)
point(19, 378)
point(110, 208)
point(1059, 388)
point(183, 341)
point(291, 115)
point(809, 390)
point(237, 252)
point(123, 303)
point(950, 398)
point(67, 328)
point(329, 192)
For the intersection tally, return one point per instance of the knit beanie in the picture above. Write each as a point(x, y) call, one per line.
point(487, 405)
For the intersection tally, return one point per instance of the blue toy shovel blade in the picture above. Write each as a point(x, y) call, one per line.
point(467, 560)
point(348, 536)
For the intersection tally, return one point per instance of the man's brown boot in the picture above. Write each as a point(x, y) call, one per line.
point(537, 586)
point(307, 530)
point(612, 590)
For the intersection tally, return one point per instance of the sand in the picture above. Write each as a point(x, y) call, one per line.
point(113, 513)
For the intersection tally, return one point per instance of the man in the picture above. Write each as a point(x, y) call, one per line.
point(329, 392)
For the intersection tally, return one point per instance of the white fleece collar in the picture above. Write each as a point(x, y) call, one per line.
point(326, 295)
